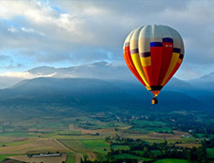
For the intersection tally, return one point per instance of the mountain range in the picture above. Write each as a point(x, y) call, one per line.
point(99, 70)
point(97, 87)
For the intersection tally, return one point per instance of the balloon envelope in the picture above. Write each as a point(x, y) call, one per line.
point(153, 53)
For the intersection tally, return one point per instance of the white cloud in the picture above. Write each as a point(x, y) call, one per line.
point(24, 75)
point(33, 31)
point(12, 29)
point(85, 31)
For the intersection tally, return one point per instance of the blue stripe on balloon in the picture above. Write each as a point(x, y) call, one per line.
point(145, 54)
point(167, 39)
point(181, 56)
point(176, 50)
point(155, 44)
point(133, 51)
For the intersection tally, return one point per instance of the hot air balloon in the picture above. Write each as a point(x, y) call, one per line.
point(153, 53)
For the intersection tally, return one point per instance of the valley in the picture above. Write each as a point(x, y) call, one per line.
point(101, 136)
point(80, 119)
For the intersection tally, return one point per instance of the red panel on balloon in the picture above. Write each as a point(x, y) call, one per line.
point(166, 58)
point(156, 57)
point(128, 60)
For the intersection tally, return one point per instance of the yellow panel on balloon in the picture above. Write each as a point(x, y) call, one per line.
point(173, 62)
point(146, 61)
point(138, 66)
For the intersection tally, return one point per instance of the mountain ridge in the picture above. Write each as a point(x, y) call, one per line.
point(41, 96)
point(99, 70)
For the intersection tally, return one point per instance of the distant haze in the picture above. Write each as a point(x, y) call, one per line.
point(97, 70)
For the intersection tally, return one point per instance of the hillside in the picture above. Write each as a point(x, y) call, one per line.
point(45, 95)
point(205, 82)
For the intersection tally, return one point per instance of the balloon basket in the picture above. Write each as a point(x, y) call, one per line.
point(154, 101)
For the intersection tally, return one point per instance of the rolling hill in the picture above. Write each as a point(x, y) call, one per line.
point(44, 96)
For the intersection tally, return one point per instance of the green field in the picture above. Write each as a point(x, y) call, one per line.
point(127, 156)
point(141, 152)
point(120, 147)
point(88, 145)
point(144, 123)
point(172, 161)
point(96, 145)
point(74, 145)
point(70, 158)
point(210, 153)
point(93, 124)
point(156, 152)
point(153, 129)
point(130, 156)
point(150, 126)
point(200, 135)
point(16, 134)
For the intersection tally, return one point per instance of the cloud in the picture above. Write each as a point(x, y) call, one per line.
point(195, 25)
point(24, 75)
point(75, 32)
point(6, 62)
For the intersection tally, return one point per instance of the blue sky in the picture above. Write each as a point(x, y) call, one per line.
point(63, 33)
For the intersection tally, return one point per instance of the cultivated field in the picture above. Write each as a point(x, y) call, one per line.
point(25, 158)
point(80, 138)
point(27, 145)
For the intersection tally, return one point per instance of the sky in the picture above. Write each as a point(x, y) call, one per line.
point(63, 33)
